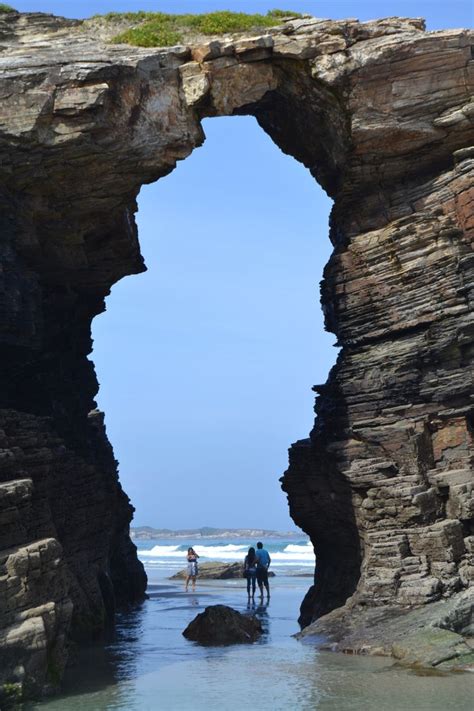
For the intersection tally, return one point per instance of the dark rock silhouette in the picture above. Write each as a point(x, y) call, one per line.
point(219, 624)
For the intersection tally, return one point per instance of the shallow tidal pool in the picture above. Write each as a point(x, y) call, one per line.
point(149, 666)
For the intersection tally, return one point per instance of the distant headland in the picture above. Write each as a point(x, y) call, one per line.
point(147, 532)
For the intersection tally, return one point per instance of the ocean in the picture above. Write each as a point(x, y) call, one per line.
point(163, 557)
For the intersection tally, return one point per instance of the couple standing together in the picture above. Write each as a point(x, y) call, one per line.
point(256, 566)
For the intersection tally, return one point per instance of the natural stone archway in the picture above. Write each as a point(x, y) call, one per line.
point(381, 114)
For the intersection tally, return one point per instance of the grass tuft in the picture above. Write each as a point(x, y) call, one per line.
point(150, 34)
point(6, 8)
point(160, 29)
point(284, 13)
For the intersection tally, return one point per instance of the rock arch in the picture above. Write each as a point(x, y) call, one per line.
point(381, 114)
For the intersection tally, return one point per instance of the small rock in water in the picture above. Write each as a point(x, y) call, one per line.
point(219, 624)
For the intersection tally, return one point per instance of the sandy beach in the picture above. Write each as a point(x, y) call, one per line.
point(149, 666)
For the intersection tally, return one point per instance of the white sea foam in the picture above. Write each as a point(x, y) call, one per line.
point(294, 554)
point(290, 555)
point(294, 548)
point(162, 552)
point(228, 552)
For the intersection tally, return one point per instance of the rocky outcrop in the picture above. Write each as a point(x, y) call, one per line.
point(214, 570)
point(219, 624)
point(63, 547)
point(437, 636)
point(381, 113)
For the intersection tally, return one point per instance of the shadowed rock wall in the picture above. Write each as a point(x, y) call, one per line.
point(382, 116)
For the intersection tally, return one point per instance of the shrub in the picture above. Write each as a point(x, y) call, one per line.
point(283, 13)
point(159, 29)
point(150, 34)
point(217, 23)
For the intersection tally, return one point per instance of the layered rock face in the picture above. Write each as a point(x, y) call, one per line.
point(381, 113)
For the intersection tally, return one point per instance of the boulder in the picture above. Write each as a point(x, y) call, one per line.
point(219, 624)
point(216, 571)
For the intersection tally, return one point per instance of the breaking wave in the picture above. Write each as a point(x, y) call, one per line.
point(281, 553)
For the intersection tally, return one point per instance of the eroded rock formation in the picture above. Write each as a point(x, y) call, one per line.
point(219, 624)
point(381, 113)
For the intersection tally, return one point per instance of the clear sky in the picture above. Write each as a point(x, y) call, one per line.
point(206, 361)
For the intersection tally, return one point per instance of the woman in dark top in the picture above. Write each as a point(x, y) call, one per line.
point(250, 570)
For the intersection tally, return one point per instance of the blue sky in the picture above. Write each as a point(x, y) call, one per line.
point(439, 15)
point(206, 361)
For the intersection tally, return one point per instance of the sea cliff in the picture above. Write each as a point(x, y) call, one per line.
point(381, 114)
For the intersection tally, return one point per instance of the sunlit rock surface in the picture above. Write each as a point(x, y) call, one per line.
point(381, 113)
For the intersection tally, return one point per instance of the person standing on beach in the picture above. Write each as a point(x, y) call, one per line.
point(192, 558)
point(250, 570)
point(263, 563)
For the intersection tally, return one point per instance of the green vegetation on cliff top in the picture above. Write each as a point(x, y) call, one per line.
point(160, 29)
point(6, 8)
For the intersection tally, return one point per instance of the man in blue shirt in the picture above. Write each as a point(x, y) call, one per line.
point(263, 563)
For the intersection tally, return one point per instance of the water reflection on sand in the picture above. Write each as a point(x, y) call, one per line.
point(149, 666)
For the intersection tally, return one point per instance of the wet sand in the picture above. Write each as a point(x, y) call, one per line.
point(150, 666)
